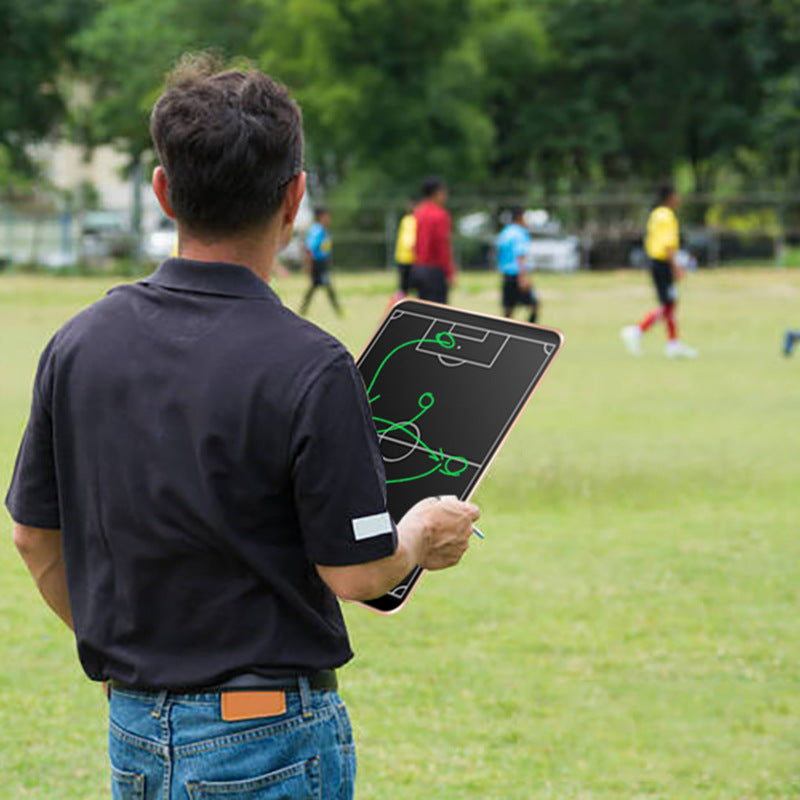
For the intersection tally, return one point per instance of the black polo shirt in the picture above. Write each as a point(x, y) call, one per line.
point(201, 447)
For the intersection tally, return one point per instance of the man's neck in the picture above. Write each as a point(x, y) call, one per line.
point(255, 253)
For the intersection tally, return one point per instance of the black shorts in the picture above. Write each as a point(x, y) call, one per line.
point(661, 272)
point(404, 271)
point(430, 283)
point(321, 272)
point(514, 296)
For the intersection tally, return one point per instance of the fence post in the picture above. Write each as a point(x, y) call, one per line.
point(780, 237)
point(390, 228)
point(35, 230)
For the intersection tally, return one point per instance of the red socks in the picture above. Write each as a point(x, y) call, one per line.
point(668, 312)
point(650, 319)
point(672, 324)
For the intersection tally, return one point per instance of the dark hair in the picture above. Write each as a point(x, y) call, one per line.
point(664, 192)
point(516, 212)
point(431, 185)
point(229, 141)
point(320, 212)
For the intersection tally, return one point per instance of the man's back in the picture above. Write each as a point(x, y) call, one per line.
point(180, 411)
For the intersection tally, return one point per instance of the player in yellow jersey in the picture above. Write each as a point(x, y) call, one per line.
point(404, 252)
point(662, 243)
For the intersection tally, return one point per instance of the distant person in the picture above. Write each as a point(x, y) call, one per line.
point(404, 252)
point(790, 339)
point(512, 261)
point(662, 242)
point(318, 260)
point(434, 271)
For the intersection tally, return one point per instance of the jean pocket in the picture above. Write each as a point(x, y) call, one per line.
point(297, 782)
point(126, 785)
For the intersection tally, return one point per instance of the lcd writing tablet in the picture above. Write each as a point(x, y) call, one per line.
point(445, 387)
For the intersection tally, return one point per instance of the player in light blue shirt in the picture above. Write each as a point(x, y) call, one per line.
point(318, 241)
point(512, 261)
point(318, 259)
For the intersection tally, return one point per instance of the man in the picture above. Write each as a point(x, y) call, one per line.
point(661, 245)
point(318, 259)
point(404, 252)
point(512, 261)
point(434, 271)
point(200, 478)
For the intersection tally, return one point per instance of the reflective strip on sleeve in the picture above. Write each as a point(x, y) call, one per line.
point(375, 525)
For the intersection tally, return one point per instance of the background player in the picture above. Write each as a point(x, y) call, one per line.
point(661, 244)
point(434, 271)
point(512, 261)
point(318, 259)
point(404, 251)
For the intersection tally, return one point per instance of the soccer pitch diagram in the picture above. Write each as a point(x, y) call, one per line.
point(445, 387)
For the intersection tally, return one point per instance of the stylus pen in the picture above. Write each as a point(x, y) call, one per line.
point(477, 532)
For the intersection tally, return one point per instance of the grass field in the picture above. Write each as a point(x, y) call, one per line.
point(629, 628)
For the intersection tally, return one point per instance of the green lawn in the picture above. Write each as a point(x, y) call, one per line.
point(629, 628)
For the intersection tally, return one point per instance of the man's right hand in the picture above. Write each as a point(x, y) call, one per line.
point(433, 534)
point(440, 529)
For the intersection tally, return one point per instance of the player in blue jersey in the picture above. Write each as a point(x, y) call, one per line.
point(318, 259)
point(512, 261)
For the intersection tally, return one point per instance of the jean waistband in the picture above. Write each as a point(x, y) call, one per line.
point(246, 681)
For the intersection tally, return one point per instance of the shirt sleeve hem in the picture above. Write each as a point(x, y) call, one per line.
point(33, 520)
point(383, 547)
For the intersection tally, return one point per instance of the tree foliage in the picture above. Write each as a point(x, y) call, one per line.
point(390, 89)
point(34, 48)
point(501, 93)
point(130, 45)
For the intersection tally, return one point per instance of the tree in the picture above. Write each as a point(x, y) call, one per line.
point(391, 89)
point(34, 46)
point(124, 55)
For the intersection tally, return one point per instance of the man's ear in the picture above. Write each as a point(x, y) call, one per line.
point(294, 194)
point(161, 191)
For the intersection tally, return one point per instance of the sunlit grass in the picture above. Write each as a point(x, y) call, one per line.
point(629, 627)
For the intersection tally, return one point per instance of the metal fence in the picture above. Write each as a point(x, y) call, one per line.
point(606, 231)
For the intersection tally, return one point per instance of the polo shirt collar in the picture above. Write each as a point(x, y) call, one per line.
point(206, 277)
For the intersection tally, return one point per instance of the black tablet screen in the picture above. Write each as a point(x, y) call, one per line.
point(445, 387)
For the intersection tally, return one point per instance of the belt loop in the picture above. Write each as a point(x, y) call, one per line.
point(161, 701)
point(305, 696)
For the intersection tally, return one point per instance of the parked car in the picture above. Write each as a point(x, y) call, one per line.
point(555, 253)
point(106, 234)
point(550, 249)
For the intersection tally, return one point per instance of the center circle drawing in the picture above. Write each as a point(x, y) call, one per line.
point(399, 441)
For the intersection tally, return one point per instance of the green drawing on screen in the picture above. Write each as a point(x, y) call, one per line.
point(452, 466)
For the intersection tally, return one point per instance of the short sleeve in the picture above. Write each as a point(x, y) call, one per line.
point(32, 498)
point(337, 472)
point(310, 238)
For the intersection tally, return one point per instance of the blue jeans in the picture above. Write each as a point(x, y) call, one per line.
point(177, 747)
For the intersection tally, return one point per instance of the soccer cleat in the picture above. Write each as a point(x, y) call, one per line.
point(632, 338)
point(677, 349)
point(789, 341)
